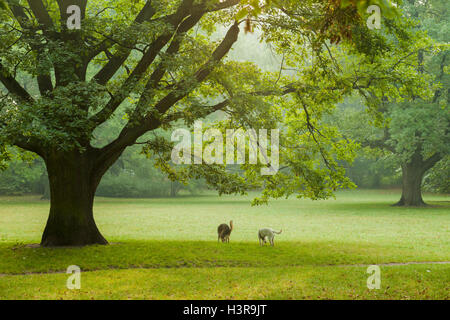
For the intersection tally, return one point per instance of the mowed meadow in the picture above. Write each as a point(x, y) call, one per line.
point(167, 248)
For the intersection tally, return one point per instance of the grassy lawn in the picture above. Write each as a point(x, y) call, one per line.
point(167, 249)
point(397, 282)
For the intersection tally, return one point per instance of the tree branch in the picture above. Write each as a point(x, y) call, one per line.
point(182, 89)
point(108, 70)
point(131, 133)
point(13, 86)
point(208, 110)
point(160, 70)
point(140, 69)
point(430, 162)
point(40, 12)
point(44, 80)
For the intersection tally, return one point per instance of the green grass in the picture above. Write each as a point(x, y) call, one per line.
point(167, 248)
point(397, 282)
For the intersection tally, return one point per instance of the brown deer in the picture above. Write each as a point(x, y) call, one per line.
point(224, 231)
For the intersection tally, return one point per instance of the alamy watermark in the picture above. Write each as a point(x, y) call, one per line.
point(74, 281)
point(212, 152)
point(74, 20)
point(374, 281)
point(374, 20)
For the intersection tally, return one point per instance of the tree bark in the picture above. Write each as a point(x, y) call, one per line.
point(72, 189)
point(412, 176)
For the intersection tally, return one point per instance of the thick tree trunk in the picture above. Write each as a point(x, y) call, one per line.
point(412, 176)
point(72, 189)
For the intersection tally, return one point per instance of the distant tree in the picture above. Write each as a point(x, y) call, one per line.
point(417, 130)
point(420, 133)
